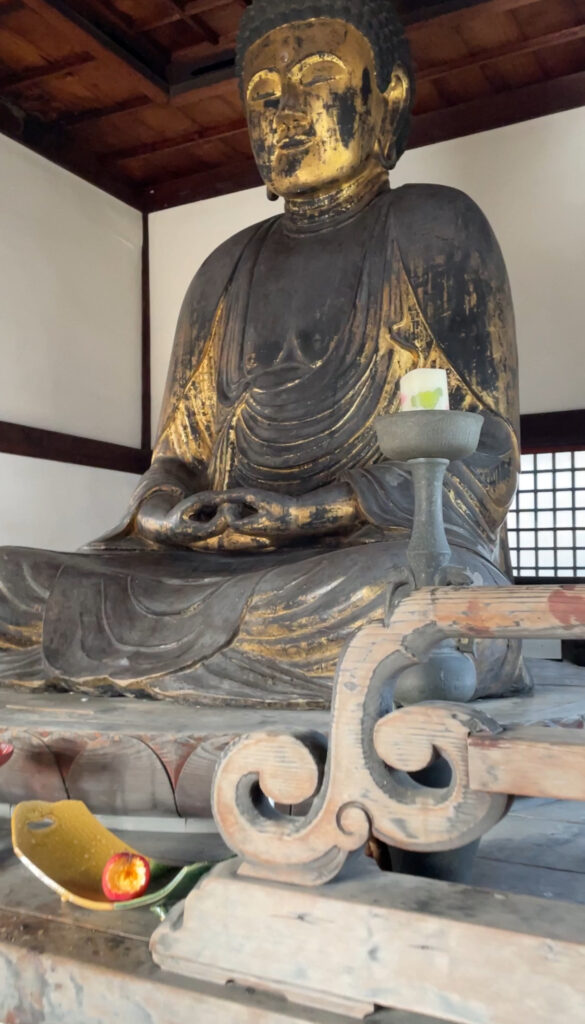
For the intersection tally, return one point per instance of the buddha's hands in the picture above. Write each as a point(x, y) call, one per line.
point(251, 518)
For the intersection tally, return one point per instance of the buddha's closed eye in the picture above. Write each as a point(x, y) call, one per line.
point(320, 73)
point(266, 85)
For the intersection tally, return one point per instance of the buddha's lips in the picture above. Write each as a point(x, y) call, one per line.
point(125, 877)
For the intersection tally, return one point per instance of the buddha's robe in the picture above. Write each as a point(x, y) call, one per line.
point(416, 279)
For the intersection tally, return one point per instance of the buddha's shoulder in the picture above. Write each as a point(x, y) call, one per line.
point(438, 212)
point(221, 260)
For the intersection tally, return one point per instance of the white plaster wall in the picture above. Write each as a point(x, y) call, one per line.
point(58, 506)
point(70, 302)
point(530, 181)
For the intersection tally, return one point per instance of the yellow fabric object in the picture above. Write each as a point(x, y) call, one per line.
point(67, 848)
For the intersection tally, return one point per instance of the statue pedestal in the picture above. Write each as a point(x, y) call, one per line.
point(146, 768)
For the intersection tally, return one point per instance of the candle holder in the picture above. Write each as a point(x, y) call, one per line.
point(425, 442)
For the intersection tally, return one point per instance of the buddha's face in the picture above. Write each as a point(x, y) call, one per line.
point(314, 108)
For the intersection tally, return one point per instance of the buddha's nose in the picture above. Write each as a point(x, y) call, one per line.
point(291, 117)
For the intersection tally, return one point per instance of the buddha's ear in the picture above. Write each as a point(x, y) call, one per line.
point(397, 98)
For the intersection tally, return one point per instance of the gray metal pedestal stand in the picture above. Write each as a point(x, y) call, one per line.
point(426, 442)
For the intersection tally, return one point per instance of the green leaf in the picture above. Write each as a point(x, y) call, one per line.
point(428, 399)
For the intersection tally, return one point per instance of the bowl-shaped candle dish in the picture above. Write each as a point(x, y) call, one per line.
point(429, 434)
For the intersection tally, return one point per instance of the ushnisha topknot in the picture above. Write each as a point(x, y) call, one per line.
point(377, 20)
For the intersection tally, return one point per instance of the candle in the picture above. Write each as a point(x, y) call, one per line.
point(424, 389)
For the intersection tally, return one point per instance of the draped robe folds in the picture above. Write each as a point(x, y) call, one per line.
point(267, 628)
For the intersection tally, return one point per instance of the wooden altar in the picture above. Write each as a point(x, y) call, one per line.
point(261, 938)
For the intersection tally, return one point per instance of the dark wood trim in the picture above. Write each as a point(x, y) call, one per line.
point(549, 581)
point(217, 181)
point(80, 451)
point(145, 369)
point(553, 431)
point(51, 142)
point(548, 97)
point(541, 432)
point(545, 432)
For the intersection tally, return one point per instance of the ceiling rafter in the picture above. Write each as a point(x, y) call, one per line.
point(513, 49)
point(450, 11)
point(178, 141)
point(239, 174)
point(194, 7)
point(44, 71)
point(497, 111)
point(82, 32)
point(195, 22)
point(81, 117)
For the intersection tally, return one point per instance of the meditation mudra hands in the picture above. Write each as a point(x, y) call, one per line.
point(245, 518)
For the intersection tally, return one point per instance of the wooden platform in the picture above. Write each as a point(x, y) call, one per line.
point(60, 964)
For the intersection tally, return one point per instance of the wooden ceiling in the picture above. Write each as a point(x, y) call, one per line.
point(139, 96)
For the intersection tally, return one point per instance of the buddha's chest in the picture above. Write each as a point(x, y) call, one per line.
point(303, 296)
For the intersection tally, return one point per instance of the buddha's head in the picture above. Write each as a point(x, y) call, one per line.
point(328, 89)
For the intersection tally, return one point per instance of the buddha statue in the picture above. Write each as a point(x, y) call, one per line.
point(263, 535)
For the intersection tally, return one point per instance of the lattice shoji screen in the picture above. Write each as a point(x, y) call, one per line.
point(547, 521)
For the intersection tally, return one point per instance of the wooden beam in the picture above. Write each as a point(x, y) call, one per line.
point(520, 46)
point(44, 71)
point(99, 113)
point(36, 443)
point(488, 112)
point(177, 142)
point(83, 33)
point(233, 177)
point(553, 431)
point(542, 762)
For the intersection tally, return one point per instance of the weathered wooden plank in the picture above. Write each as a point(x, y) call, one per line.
point(61, 965)
point(530, 762)
point(458, 953)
